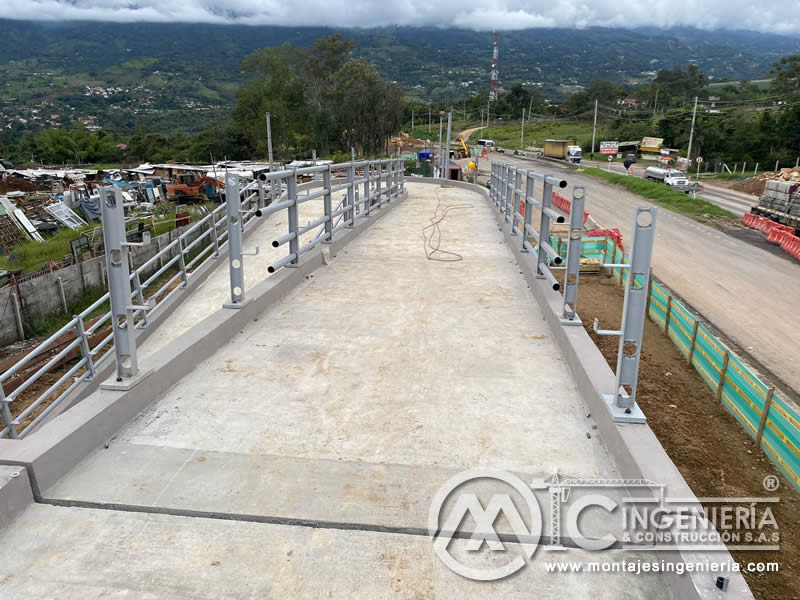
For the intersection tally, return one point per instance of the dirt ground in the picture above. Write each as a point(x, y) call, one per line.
point(710, 448)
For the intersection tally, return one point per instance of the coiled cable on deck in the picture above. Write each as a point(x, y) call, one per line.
point(432, 244)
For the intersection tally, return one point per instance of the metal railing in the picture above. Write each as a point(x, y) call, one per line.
point(365, 185)
point(380, 181)
point(516, 203)
point(188, 253)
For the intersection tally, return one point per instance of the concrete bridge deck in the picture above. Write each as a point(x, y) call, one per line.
point(300, 459)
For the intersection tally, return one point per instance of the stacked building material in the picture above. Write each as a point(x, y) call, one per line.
point(780, 202)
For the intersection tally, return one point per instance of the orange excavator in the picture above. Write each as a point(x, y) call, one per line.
point(189, 188)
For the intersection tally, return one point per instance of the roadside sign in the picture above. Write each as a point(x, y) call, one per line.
point(609, 147)
point(610, 158)
point(698, 160)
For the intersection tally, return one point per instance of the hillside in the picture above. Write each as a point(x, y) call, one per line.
point(182, 77)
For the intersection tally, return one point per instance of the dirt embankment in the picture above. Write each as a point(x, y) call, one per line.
point(16, 184)
point(710, 448)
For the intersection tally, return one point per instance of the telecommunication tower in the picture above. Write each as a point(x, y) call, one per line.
point(495, 78)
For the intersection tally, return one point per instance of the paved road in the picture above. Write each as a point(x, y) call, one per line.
point(735, 202)
point(745, 291)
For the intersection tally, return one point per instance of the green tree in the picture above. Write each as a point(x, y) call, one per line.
point(786, 73)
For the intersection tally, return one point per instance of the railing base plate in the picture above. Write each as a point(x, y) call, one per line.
point(576, 320)
point(127, 383)
point(633, 414)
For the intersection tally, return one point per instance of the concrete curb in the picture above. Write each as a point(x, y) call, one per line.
point(56, 447)
point(636, 451)
point(15, 493)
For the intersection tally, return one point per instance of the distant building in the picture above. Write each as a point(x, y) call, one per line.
point(628, 103)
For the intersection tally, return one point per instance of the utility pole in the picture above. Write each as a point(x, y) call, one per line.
point(429, 118)
point(488, 103)
point(269, 152)
point(655, 103)
point(522, 132)
point(465, 109)
point(441, 119)
point(447, 152)
point(269, 141)
point(412, 121)
point(594, 127)
point(691, 135)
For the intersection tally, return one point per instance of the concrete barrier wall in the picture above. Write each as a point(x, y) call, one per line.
point(42, 296)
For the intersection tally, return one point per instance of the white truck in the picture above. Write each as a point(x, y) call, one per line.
point(675, 179)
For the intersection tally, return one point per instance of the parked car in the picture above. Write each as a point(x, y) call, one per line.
point(500, 149)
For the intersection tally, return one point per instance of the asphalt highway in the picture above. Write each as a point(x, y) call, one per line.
point(746, 292)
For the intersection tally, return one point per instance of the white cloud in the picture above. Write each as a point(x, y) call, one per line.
point(472, 14)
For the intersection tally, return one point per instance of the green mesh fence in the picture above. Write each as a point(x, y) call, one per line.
point(738, 388)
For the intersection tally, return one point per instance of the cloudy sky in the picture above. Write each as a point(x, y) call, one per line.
point(472, 14)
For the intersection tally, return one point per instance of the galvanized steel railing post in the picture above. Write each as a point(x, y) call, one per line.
point(498, 183)
point(367, 201)
point(80, 332)
point(119, 288)
point(544, 229)
point(622, 403)
point(515, 207)
point(508, 191)
point(182, 263)
point(529, 181)
point(137, 283)
point(261, 192)
point(5, 414)
point(214, 235)
point(574, 247)
point(389, 180)
point(351, 194)
point(379, 174)
point(402, 175)
point(235, 260)
point(294, 220)
point(326, 205)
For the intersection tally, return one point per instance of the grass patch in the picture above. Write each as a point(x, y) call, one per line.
point(48, 325)
point(32, 255)
point(537, 132)
point(719, 176)
point(661, 194)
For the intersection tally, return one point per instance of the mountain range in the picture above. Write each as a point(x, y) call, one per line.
point(173, 77)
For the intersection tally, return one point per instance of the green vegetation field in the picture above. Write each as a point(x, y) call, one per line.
point(538, 131)
point(661, 194)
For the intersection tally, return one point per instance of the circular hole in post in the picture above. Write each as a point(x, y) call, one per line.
point(125, 361)
point(572, 279)
point(629, 349)
point(236, 263)
point(575, 234)
point(237, 291)
point(116, 257)
point(578, 193)
point(234, 219)
point(262, 177)
point(644, 218)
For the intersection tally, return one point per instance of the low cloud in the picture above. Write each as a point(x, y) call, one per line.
point(469, 14)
